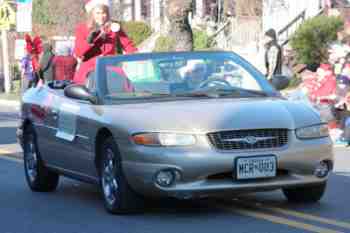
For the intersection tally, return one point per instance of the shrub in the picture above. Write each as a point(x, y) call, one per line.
point(312, 38)
point(164, 44)
point(137, 31)
point(201, 41)
point(16, 86)
point(16, 72)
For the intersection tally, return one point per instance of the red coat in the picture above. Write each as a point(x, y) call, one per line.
point(64, 67)
point(101, 47)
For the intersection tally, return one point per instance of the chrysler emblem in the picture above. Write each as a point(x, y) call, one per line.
point(250, 140)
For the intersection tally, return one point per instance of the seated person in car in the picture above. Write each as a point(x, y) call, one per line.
point(194, 74)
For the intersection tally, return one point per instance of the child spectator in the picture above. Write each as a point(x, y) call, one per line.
point(27, 74)
point(64, 64)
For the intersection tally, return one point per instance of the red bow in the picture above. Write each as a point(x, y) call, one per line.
point(33, 46)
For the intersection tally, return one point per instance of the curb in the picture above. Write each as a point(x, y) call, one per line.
point(10, 103)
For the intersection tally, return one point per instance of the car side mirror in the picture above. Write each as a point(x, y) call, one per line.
point(280, 82)
point(79, 92)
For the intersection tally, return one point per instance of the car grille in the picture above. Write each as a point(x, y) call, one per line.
point(249, 139)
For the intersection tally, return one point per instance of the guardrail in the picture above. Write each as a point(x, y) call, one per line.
point(291, 27)
point(236, 32)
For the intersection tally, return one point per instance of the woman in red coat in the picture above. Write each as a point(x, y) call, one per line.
point(97, 37)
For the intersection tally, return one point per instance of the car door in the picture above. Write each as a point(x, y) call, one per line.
point(44, 113)
point(64, 137)
point(73, 144)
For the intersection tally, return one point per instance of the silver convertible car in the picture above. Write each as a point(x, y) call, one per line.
point(183, 125)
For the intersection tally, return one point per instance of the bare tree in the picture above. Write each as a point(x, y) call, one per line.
point(180, 31)
point(67, 15)
point(63, 15)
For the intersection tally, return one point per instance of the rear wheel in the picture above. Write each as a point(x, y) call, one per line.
point(38, 177)
point(308, 194)
point(118, 197)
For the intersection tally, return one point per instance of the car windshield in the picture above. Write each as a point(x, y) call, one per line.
point(175, 75)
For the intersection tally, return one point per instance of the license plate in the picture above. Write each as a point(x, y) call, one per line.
point(256, 167)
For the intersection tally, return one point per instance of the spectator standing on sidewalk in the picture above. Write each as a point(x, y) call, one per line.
point(30, 63)
point(99, 36)
point(273, 55)
point(64, 64)
point(46, 63)
point(27, 72)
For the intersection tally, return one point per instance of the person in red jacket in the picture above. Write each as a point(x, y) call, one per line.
point(64, 64)
point(98, 37)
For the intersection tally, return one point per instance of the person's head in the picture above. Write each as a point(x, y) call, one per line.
point(269, 36)
point(63, 50)
point(98, 12)
point(195, 73)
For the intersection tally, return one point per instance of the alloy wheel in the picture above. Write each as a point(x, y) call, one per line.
point(109, 182)
point(31, 159)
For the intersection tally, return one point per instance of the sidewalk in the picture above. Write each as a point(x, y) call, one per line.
point(10, 103)
point(9, 100)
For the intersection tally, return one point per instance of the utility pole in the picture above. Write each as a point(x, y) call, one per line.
point(6, 62)
point(7, 18)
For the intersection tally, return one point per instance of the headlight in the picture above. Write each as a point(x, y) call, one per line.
point(164, 139)
point(313, 132)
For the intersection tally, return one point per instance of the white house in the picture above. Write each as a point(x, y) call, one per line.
point(153, 11)
point(278, 13)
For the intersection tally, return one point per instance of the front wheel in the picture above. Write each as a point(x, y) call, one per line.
point(118, 197)
point(38, 177)
point(308, 194)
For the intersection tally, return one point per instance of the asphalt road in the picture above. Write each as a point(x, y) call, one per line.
point(77, 208)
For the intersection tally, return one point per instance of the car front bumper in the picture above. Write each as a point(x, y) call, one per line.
point(205, 171)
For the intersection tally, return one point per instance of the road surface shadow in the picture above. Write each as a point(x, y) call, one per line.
point(7, 135)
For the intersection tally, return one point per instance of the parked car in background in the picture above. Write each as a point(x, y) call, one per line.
point(184, 125)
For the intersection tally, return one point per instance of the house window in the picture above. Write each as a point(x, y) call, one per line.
point(211, 9)
point(146, 9)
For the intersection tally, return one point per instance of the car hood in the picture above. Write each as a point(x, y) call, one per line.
point(203, 116)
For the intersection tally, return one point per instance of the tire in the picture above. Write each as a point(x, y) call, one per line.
point(38, 177)
point(308, 194)
point(118, 196)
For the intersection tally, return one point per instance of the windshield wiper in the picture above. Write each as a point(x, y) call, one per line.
point(221, 92)
point(258, 93)
point(199, 94)
point(136, 95)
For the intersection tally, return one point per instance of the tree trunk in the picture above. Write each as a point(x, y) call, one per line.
point(180, 31)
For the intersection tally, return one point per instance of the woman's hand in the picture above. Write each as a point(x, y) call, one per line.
point(111, 26)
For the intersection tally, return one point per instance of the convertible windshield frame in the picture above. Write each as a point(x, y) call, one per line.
point(103, 62)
